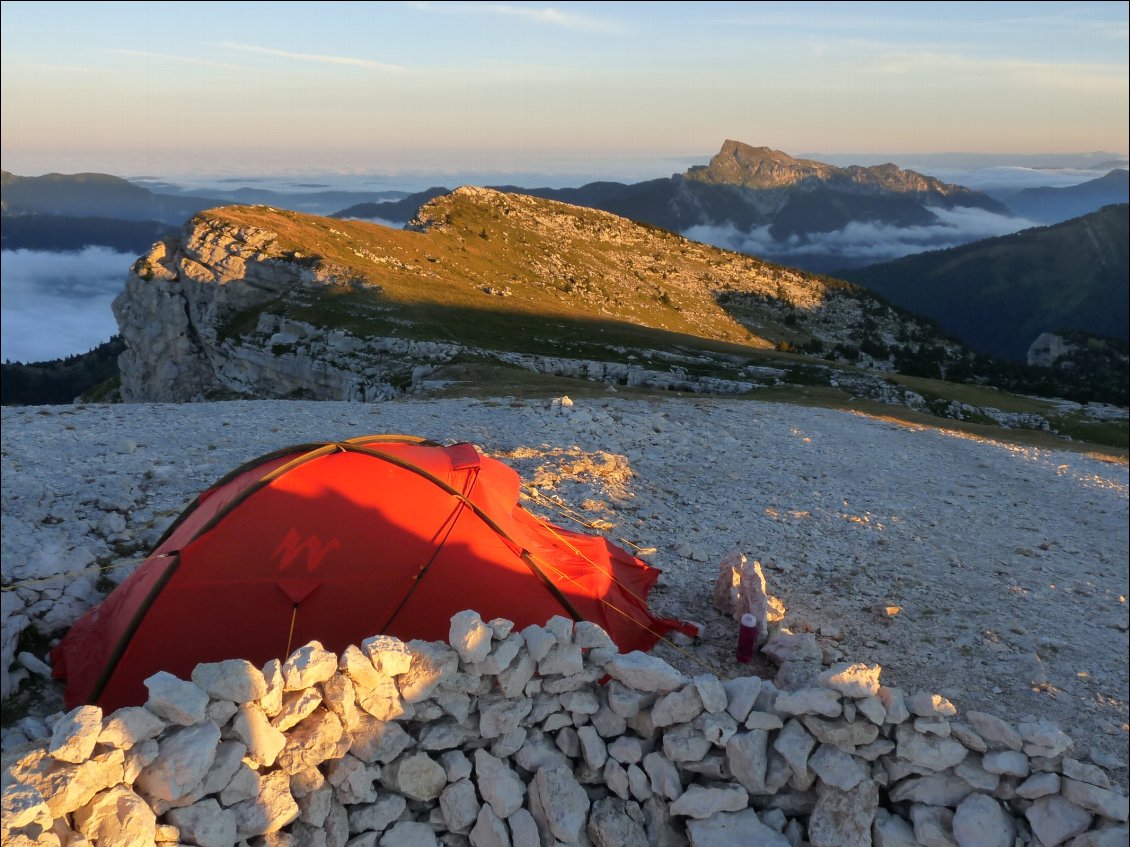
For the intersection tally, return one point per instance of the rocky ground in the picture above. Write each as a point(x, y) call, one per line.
point(991, 573)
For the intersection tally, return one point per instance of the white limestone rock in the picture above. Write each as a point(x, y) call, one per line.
point(269, 811)
point(792, 647)
point(933, 826)
point(1111, 836)
point(539, 641)
point(844, 734)
point(936, 789)
point(499, 715)
point(176, 700)
point(307, 666)
point(235, 679)
point(409, 834)
point(204, 823)
point(22, 806)
point(843, 818)
point(354, 780)
point(809, 701)
point(979, 821)
point(563, 802)
point(590, 636)
point(377, 816)
point(663, 775)
point(390, 656)
point(75, 734)
point(681, 706)
point(894, 701)
point(117, 817)
point(128, 726)
point(432, 665)
point(489, 830)
point(523, 829)
point(645, 673)
point(928, 751)
point(891, 831)
point(1038, 785)
point(741, 692)
point(296, 707)
point(271, 701)
point(1054, 820)
point(264, 742)
point(460, 806)
point(1101, 801)
point(836, 768)
point(998, 734)
point(747, 757)
point(700, 802)
point(470, 637)
point(1085, 772)
point(685, 743)
point(498, 784)
point(379, 741)
point(795, 744)
point(593, 748)
point(611, 825)
point(562, 660)
point(183, 760)
point(923, 704)
point(1007, 762)
point(418, 777)
point(858, 680)
point(734, 829)
point(1043, 738)
point(229, 756)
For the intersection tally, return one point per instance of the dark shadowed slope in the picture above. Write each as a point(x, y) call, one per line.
point(997, 295)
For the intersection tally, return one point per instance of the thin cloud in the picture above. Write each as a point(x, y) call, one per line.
point(350, 61)
point(1062, 75)
point(165, 57)
point(546, 15)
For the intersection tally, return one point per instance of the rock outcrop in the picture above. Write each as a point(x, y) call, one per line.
point(498, 747)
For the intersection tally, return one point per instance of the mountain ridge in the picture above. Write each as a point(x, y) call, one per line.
point(999, 294)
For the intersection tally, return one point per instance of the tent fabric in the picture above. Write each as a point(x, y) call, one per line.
point(340, 541)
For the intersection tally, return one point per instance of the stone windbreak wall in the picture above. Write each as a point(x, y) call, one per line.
point(540, 737)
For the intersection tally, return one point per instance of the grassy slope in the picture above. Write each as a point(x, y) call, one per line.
point(575, 279)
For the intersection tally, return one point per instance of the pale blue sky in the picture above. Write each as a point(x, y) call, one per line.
point(382, 87)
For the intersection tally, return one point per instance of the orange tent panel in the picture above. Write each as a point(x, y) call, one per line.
point(340, 541)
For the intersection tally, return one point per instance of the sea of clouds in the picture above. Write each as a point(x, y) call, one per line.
point(58, 304)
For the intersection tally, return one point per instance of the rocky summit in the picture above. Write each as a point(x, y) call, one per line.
point(255, 301)
point(761, 168)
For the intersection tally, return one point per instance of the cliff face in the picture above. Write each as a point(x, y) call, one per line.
point(182, 296)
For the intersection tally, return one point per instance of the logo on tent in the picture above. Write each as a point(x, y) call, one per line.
point(292, 545)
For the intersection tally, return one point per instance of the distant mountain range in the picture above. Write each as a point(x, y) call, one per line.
point(61, 212)
point(998, 295)
point(1053, 205)
point(787, 204)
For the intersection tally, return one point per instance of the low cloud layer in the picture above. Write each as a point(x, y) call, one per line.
point(860, 244)
point(58, 304)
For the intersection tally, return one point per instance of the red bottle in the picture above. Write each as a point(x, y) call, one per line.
point(747, 638)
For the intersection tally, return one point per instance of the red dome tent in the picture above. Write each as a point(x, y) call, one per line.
point(340, 541)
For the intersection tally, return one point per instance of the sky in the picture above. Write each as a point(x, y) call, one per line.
point(625, 89)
